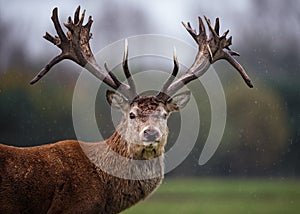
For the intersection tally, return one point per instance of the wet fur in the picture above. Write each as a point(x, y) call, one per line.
point(60, 178)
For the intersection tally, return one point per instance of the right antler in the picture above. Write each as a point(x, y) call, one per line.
point(75, 46)
point(210, 49)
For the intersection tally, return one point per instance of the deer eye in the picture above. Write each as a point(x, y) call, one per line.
point(164, 116)
point(132, 115)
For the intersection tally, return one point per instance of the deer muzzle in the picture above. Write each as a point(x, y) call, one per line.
point(150, 135)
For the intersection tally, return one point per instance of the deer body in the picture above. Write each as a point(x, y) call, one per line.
point(105, 177)
point(60, 178)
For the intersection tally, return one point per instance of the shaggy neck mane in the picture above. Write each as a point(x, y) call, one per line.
point(115, 156)
point(117, 143)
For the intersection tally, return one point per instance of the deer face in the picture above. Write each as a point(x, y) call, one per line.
point(144, 122)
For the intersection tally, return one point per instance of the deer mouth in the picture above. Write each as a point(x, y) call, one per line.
point(150, 144)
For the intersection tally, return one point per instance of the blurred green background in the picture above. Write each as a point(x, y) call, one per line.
point(256, 167)
point(219, 195)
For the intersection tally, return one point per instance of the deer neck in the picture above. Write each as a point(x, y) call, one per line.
point(120, 157)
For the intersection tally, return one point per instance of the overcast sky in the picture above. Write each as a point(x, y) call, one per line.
point(31, 19)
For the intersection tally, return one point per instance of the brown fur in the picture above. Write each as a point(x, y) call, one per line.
point(59, 178)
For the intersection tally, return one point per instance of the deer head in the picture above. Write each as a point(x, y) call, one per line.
point(144, 124)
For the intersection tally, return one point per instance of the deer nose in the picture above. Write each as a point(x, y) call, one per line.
point(151, 135)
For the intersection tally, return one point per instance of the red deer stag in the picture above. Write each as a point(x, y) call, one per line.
point(69, 176)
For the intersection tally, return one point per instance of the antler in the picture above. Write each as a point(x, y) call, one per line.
point(211, 49)
point(75, 46)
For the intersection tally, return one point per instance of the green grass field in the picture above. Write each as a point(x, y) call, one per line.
point(223, 196)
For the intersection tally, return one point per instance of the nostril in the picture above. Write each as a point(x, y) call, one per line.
point(151, 134)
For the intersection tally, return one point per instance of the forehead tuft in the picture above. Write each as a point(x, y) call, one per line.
point(147, 103)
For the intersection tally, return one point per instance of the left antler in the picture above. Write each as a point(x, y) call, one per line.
point(75, 46)
point(211, 48)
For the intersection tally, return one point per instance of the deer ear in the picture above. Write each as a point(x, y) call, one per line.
point(179, 101)
point(116, 100)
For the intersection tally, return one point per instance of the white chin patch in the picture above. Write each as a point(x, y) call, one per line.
point(150, 144)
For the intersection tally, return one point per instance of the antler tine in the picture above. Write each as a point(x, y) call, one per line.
point(210, 50)
point(76, 14)
point(201, 26)
point(238, 67)
point(57, 26)
point(127, 71)
point(217, 26)
point(75, 46)
point(213, 33)
point(162, 95)
point(47, 68)
point(190, 30)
